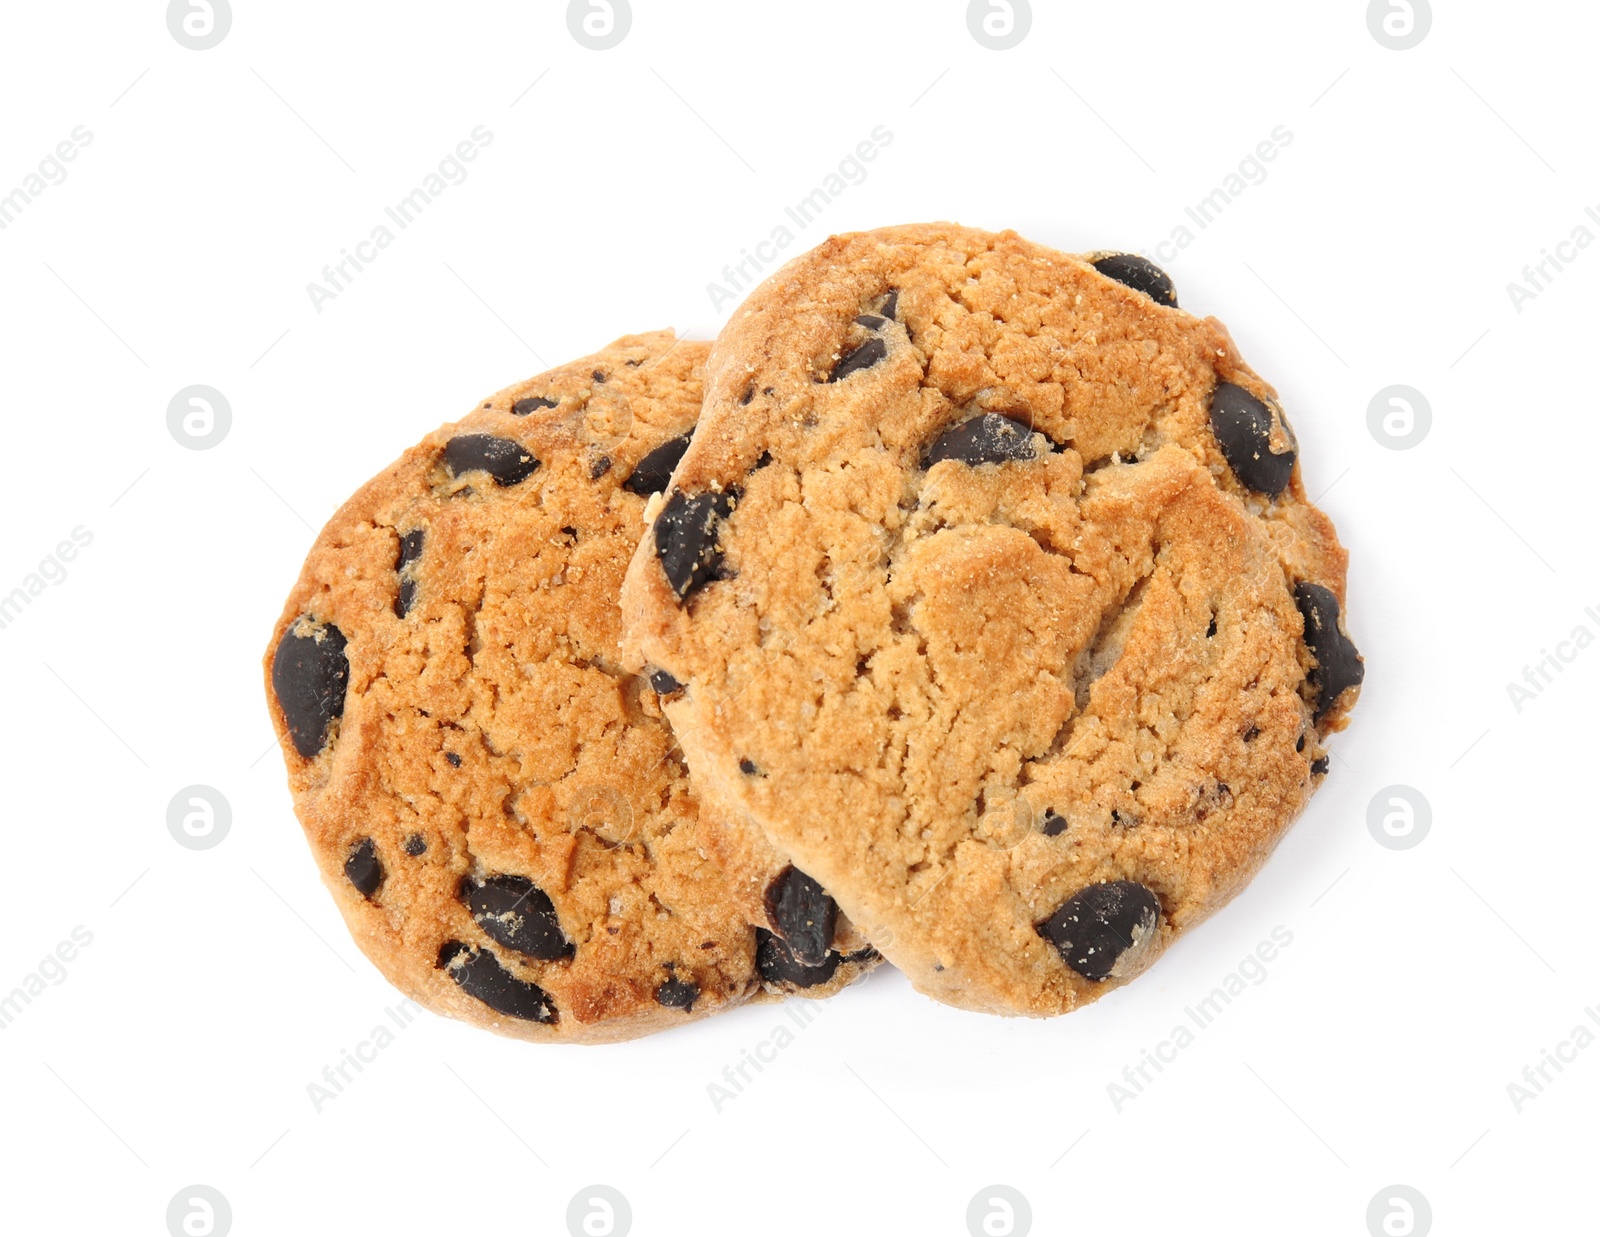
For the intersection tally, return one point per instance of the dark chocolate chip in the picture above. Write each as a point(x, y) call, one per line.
point(1242, 425)
point(986, 439)
point(1140, 274)
point(1319, 766)
point(1251, 734)
point(416, 845)
point(764, 459)
point(598, 375)
point(749, 394)
point(803, 913)
point(1300, 744)
point(479, 974)
point(871, 321)
point(868, 354)
point(532, 404)
point(309, 677)
point(1053, 825)
point(686, 538)
point(1097, 925)
point(651, 474)
point(410, 548)
point(747, 766)
point(663, 683)
point(454, 759)
point(890, 303)
point(866, 954)
point(1339, 665)
point(518, 914)
point(362, 868)
point(600, 468)
point(410, 552)
point(779, 966)
point(506, 461)
point(677, 994)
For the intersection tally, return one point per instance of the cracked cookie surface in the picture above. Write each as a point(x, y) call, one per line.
point(500, 811)
point(997, 604)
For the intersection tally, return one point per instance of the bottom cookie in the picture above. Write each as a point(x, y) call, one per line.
point(501, 812)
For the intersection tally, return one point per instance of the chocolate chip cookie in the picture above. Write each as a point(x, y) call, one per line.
point(500, 810)
point(997, 603)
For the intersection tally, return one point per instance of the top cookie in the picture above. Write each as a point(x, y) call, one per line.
point(999, 605)
point(500, 811)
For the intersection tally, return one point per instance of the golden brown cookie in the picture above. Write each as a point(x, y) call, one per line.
point(997, 604)
point(499, 809)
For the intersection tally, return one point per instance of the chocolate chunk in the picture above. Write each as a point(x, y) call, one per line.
point(1339, 665)
point(1319, 766)
point(677, 994)
point(362, 868)
point(1140, 274)
point(454, 759)
point(532, 404)
point(506, 461)
point(309, 677)
point(779, 966)
point(1097, 925)
point(479, 974)
point(749, 394)
point(1053, 825)
point(865, 954)
point(410, 548)
point(410, 552)
point(686, 538)
point(516, 912)
point(600, 468)
point(868, 354)
point(986, 439)
point(1242, 425)
point(803, 913)
point(651, 474)
point(598, 375)
point(762, 461)
point(890, 303)
point(747, 766)
point(416, 845)
point(663, 683)
point(871, 321)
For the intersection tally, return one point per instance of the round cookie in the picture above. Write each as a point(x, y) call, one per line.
point(998, 606)
point(500, 811)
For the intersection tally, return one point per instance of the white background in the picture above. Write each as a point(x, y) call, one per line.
point(219, 983)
